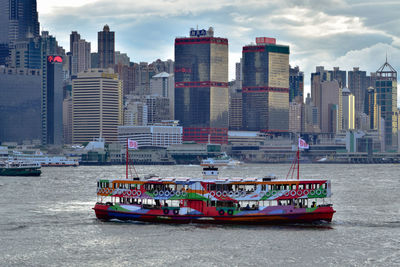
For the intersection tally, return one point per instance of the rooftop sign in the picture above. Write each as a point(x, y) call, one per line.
point(198, 33)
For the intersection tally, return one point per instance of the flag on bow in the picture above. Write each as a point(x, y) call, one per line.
point(303, 144)
point(132, 144)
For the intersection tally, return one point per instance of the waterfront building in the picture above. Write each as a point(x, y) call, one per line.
point(348, 110)
point(386, 99)
point(265, 86)
point(296, 85)
point(201, 80)
point(67, 120)
point(152, 135)
point(20, 104)
point(106, 47)
point(96, 105)
point(205, 135)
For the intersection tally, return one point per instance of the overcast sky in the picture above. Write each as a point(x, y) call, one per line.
point(343, 33)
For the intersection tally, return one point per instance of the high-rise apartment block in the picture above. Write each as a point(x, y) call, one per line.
point(106, 47)
point(96, 106)
point(358, 87)
point(80, 54)
point(201, 80)
point(265, 86)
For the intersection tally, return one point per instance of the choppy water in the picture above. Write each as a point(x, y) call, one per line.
point(48, 221)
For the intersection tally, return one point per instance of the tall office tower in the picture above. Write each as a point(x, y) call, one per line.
point(80, 54)
point(18, 20)
point(348, 110)
point(358, 87)
point(96, 106)
point(386, 99)
point(94, 59)
point(201, 80)
point(311, 116)
point(372, 108)
point(135, 111)
point(265, 86)
point(67, 120)
point(54, 105)
point(20, 104)
point(106, 48)
point(73, 37)
point(163, 84)
point(296, 85)
point(338, 75)
point(330, 109)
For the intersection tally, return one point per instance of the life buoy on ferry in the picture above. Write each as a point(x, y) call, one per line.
point(273, 192)
point(219, 194)
point(225, 194)
point(287, 193)
point(324, 191)
point(161, 193)
point(172, 193)
point(312, 192)
point(176, 211)
point(166, 211)
point(293, 193)
point(155, 193)
point(230, 212)
point(138, 193)
point(306, 192)
point(133, 193)
point(178, 193)
point(299, 193)
point(243, 193)
point(318, 192)
point(231, 193)
point(268, 193)
point(166, 193)
point(128, 193)
point(237, 193)
point(212, 193)
point(221, 212)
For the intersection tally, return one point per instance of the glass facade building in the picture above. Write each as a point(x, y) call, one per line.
point(201, 81)
point(106, 48)
point(265, 90)
point(20, 105)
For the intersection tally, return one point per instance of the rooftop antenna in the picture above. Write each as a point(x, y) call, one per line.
point(386, 56)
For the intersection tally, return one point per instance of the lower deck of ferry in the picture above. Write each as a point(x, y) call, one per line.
point(217, 212)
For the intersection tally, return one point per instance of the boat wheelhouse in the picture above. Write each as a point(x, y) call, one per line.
point(214, 200)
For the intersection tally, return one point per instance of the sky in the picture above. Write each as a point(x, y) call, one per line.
point(330, 33)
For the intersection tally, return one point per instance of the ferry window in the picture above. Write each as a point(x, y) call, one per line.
point(324, 186)
point(98, 184)
point(263, 187)
point(307, 186)
point(293, 186)
point(301, 186)
point(179, 187)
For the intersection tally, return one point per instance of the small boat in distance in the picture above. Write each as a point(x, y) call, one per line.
point(19, 168)
point(223, 160)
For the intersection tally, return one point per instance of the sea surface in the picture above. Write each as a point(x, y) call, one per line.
point(49, 221)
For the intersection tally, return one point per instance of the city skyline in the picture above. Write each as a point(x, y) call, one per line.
point(326, 33)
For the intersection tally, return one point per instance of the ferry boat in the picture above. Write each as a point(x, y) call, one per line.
point(210, 199)
point(19, 168)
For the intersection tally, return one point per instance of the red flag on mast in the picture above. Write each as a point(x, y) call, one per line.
point(303, 144)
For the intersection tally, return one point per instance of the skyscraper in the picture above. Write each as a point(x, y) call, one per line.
point(80, 59)
point(201, 80)
point(296, 85)
point(358, 87)
point(386, 98)
point(96, 106)
point(348, 109)
point(18, 20)
point(106, 48)
point(265, 86)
